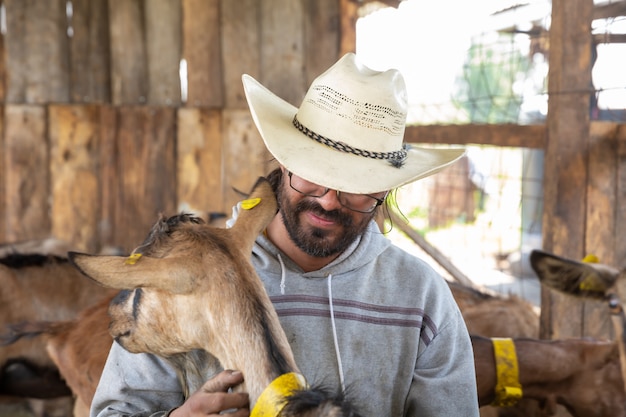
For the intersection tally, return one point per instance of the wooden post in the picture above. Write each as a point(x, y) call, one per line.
point(566, 170)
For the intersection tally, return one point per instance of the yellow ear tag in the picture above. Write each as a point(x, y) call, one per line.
point(132, 259)
point(273, 398)
point(250, 203)
point(591, 259)
point(590, 282)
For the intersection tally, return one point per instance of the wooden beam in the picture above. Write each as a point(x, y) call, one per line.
point(526, 136)
point(609, 38)
point(613, 9)
point(432, 251)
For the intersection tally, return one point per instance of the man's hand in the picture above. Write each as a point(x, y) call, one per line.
point(213, 398)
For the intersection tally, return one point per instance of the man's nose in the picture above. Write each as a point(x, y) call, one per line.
point(330, 201)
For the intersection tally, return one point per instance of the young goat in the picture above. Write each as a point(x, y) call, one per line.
point(190, 288)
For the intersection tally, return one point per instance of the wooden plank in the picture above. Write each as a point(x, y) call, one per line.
point(108, 168)
point(90, 76)
point(199, 167)
point(3, 71)
point(26, 173)
point(600, 217)
point(245, 157)
point(282, 49)
point(37, 51)
point(15, 47)
point(146, 174)
point(241, 48)
point(620, 203)
point(202, 51)
point(525, 136)
point(15, 51)
point(322, 36)
point(3, 200)
point(349, 11)
point(620, 193)
point(74, 175)
point(566, 170)
point(129, 72)
point(600, 236)
point(164, 51)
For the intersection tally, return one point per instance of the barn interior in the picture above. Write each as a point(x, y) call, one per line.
point(114, 111)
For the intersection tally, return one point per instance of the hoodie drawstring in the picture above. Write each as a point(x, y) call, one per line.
point(332, 317)
point(282, 275)
point(332, 321)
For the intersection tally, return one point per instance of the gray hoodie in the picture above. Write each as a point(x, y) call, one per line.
point(377, 321)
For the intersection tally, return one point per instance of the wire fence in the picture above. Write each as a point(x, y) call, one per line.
point(484, 213)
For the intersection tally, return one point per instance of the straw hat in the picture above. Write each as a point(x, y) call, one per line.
point(348, 133)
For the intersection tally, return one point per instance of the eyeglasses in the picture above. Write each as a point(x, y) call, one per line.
point(362, 203)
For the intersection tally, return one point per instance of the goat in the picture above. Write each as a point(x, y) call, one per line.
point(516, 317)
point(191, 287)
point(583, 375)
point(78, 348)
point(35, 287)
point(585, 279)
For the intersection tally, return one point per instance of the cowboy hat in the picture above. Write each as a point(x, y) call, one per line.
point(348, 133)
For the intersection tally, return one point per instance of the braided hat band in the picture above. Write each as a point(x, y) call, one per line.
point(395, 158)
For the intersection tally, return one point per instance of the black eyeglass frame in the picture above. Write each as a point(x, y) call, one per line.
point(379, 201)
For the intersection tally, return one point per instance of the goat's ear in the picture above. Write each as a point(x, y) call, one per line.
point(255, 214)
point(573, 277)
point(169, 274)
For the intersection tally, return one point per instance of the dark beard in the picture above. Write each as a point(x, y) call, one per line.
point(318, 242)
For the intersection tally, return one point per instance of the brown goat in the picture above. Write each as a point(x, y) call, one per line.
point(491, 314)
point(583, 375)
point(78, 348)
point(516, 317)
point(590, 280)
point(193, 289)
point(35, 287)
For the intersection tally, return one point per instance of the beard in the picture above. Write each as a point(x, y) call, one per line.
point(314, 241)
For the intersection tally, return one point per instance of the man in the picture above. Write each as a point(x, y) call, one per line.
point(360, 314)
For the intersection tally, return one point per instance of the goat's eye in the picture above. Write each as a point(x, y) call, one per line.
point(121, 297)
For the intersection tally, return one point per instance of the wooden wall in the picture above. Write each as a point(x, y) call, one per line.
point(97, 138)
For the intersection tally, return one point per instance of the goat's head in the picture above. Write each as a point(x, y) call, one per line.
point(185, 272)
point(581, 279)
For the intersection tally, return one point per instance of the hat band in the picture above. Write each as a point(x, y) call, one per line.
point(395, 158)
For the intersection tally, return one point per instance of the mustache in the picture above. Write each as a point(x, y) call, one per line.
point(335, 215)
